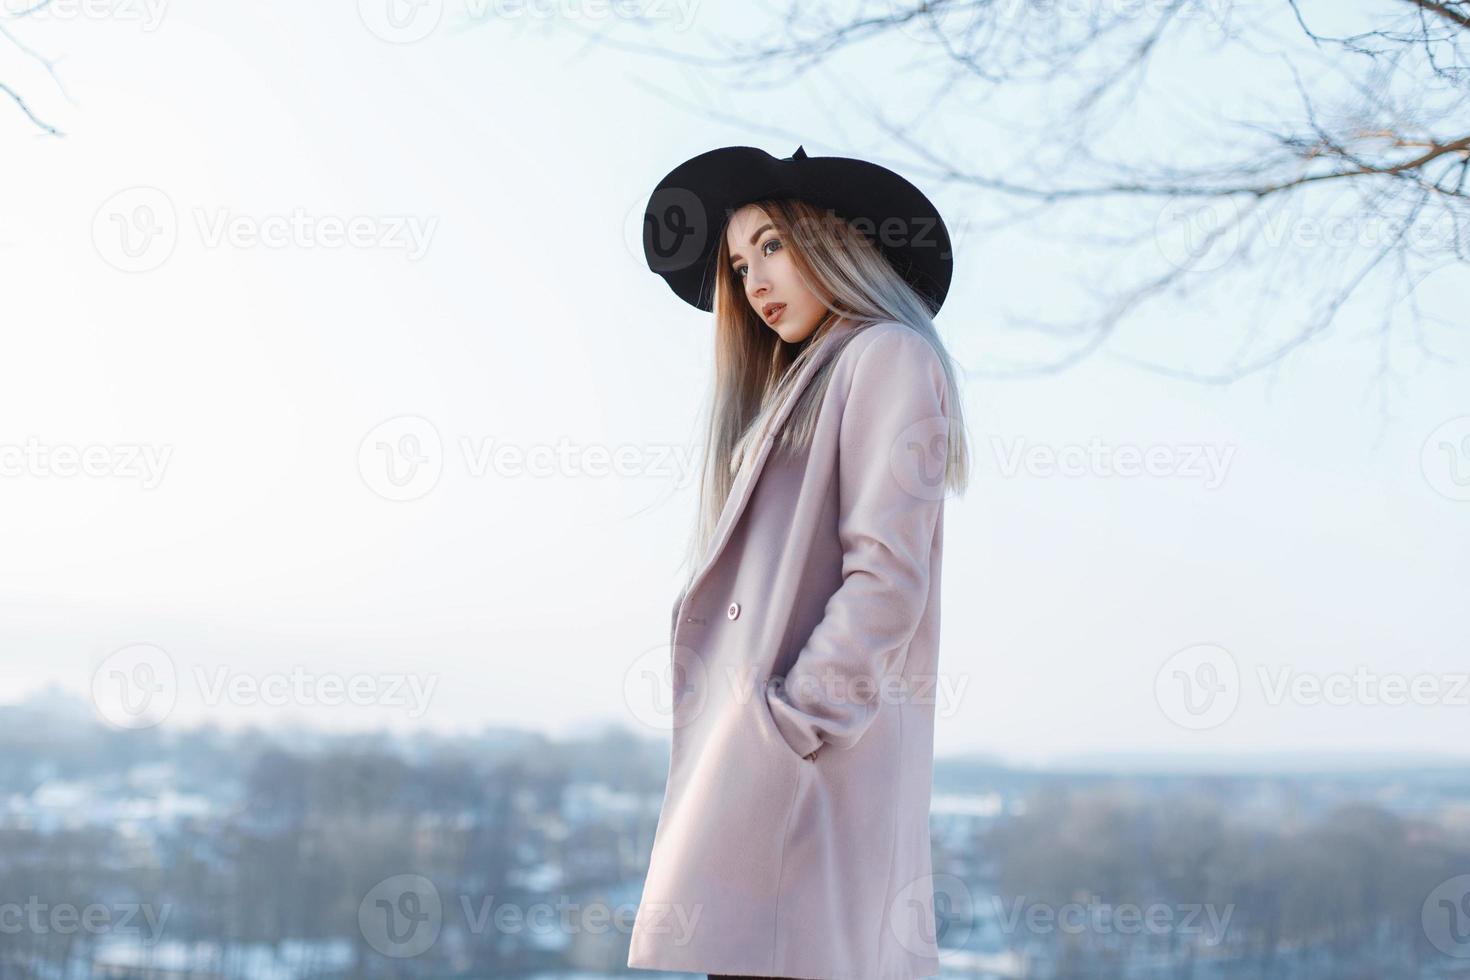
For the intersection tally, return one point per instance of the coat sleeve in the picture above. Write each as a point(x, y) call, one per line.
point(892, 440)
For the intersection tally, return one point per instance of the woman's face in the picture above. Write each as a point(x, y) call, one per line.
point(761, 261)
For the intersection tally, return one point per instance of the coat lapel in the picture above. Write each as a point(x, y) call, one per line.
point(740, 491)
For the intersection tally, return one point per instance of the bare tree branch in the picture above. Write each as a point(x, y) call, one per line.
point(1376, 118)
point(1442, 10)
point(16, 98)
point(47, 64)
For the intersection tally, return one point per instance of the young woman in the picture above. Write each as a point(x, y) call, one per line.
point(793, 840)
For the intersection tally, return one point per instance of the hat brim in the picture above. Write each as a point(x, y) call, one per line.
point(688, 209)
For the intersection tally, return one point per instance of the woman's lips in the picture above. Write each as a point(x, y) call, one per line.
point(775, 313)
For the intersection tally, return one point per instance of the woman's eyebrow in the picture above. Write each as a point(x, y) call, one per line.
point(735, 256)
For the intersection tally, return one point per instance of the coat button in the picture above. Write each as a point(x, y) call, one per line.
point(734, 610)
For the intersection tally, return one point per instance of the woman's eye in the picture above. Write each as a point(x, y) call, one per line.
point(740, 270)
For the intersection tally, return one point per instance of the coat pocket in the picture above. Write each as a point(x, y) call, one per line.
point(768, 721)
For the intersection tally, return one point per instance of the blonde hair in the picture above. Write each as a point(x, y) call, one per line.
point(754, 368)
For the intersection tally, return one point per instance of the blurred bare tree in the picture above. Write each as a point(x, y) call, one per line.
point(1101, 123)
point(1339, 894)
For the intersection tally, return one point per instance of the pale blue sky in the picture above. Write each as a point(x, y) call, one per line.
point(517, 165)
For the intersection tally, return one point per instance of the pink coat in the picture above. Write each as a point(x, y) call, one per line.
point(794, 834)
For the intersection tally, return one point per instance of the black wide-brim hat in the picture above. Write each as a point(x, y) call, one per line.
point(687, 211)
